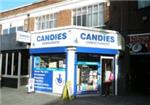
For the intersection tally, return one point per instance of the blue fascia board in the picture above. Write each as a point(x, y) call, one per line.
point(96, 50)
point(78, 50)
point(48, 50)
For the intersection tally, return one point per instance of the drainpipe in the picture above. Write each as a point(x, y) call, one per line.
point(28, 46)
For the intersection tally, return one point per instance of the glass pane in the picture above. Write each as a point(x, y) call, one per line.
point(54, 24)
point(51, 16)
point(95, 8)
point(55, 15)
point(20, 28)
point(84, 11)
point(95, 19)
point(100, 7)
point(38, 23)
point(50, 61)
point(89, 20)
point(47, 24)
point(87, 74)
point(43, 25)
point(79, 20)
point(107, 69)
point(3, 63)
point(9, 64)
point(79, 12)
point(101, 19)
point(46, 21)
point(39, 26)
point(51, 24)
point(83, 20)
point(5, 31)
point(74, 20)
point(143, 3)
point(24, 63)
point(39, 19)
point(15, 70)
point(74, 12)
point(90, 9)
point(12, 30)
point(43, 22)
point(47, 17)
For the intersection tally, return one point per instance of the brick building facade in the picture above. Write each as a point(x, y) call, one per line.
point(43, 15)
point(49, 14)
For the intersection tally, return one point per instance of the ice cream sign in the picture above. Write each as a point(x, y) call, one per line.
point(74, 37)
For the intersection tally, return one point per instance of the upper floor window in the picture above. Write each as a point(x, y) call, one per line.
point(143, 3)
point(46, 21)
point(20, 28)
point(89, 16)
point(12, 30)
point(5, 31)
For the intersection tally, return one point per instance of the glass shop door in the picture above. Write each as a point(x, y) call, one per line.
point(107, 67)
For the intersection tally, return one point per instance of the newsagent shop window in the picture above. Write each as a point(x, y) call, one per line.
point(50, 61)
point(87, 73)
point(49, 72)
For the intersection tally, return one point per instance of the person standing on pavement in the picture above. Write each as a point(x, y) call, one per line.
point(108, 78)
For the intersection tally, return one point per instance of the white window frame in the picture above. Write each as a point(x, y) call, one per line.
point(88, 24)
point(43, 22)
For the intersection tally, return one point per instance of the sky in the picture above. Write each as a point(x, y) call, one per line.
point(10, 4)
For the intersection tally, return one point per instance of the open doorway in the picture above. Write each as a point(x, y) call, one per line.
point(108, 83)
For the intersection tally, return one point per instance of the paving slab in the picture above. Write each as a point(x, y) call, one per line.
point(10, 96)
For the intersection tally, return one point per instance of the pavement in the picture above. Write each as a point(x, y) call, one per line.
point(10, 96)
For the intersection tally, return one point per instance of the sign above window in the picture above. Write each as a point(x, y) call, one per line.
point(23, 37)
point(74, 36)
point(139, 43)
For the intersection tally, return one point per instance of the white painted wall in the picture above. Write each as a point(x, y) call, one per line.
point(13, 22)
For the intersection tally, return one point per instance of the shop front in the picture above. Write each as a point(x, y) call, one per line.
point(75, 54)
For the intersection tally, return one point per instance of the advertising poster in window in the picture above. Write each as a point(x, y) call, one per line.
point(139, 44)
point(43, 76)
point(58, 81)
point(43, 80)
point(49, 73)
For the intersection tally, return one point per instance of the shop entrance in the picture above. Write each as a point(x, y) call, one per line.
point(108, 83)
point(88, 77)
point(92, 75)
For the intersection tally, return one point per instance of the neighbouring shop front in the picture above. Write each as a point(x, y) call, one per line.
point(75, 54)
point(14, 65)
point(139, 45)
